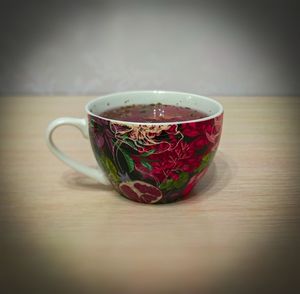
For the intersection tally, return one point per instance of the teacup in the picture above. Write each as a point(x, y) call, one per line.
point(147, 162)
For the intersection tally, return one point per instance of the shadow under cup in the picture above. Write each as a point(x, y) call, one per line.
point(154, 162)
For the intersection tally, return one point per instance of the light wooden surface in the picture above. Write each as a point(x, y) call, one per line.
point(61, 232)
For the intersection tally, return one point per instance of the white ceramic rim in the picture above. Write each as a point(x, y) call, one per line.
point(221, 110)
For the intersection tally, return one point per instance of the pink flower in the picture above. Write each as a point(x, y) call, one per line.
point(101, 133)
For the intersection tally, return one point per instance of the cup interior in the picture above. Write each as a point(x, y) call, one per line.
point(201, 103)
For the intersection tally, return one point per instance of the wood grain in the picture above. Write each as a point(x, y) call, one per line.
point(63, 232)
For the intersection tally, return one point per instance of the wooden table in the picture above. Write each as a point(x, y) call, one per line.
point(63, 233)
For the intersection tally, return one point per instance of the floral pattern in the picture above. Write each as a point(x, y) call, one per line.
point(155, 163)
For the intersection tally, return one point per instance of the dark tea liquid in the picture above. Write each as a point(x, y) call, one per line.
point(153, 113)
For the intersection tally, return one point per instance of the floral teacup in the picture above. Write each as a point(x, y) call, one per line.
point(147, 162)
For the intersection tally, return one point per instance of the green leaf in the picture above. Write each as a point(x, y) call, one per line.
point(171, 184)
point(145, 154)
point(110, 168)
point(183, 178)
point(113, 173)
point(109, 164)
point(206, 160)
point(146, 164)
point(129, 161)
point(130, 143)
point(167, 185)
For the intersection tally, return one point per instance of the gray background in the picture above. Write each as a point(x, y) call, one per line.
point(91, 47)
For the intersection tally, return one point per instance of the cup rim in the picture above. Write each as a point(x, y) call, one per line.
point(218, 113)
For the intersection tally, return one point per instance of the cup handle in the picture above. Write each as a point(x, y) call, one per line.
point(81, 124)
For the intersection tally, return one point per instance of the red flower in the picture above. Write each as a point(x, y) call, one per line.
point(195, 129)
point(170, 164)
point(213, 134)
point(172, 156)
point(199, 142)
